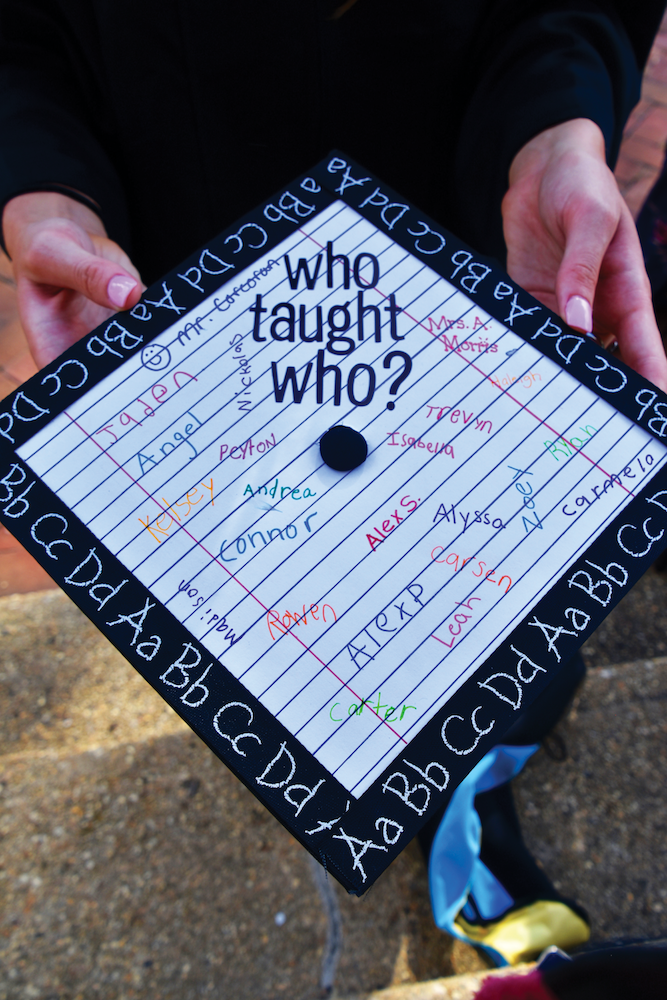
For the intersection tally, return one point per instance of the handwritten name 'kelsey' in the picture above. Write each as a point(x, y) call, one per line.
point(178, 511)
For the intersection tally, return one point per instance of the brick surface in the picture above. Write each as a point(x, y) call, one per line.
point(629, 171)
point(19, 369)
point(656, 68)
point(640, 151)
point(19, 572)
point(654, 90)
point(637, 117)
point(7, 384)
point(653, 127)
point(636, 194)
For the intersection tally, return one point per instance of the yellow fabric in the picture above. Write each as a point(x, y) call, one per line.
point(524, 933)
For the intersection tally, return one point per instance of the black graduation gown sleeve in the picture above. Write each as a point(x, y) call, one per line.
point(51, 115)
point(534, 65)
point(174, 117)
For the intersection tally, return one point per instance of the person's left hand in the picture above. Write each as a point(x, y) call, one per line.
point(572, 243)
point(69, 275)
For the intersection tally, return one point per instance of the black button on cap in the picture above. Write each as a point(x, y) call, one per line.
point(343, 448)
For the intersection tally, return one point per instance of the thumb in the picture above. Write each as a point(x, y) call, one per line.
point(63, 256)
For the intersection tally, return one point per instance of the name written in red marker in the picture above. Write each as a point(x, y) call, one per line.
point(391, 522)
point(459, 623)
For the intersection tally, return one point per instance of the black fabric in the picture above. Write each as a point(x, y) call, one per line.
point(503, 834)
point(548, 707)
point(503, 851)
point(176, 117)
point(611, 974)
point(652, 229)
point(505, 854)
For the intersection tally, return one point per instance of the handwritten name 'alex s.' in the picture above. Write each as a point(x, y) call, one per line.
point(391, 522)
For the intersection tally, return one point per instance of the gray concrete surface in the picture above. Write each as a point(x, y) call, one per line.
point(597, 820)
point(133, 865)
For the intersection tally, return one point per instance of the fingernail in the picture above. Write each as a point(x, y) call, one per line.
point(119, 288)
point(578, 314)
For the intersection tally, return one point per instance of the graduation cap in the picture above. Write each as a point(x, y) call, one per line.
point(348, 498)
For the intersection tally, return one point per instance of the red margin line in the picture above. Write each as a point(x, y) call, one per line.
point(231, 575)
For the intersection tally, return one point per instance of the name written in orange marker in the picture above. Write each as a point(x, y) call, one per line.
point(177, 512)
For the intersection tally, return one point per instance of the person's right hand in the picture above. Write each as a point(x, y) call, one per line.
point(70, 276)
point(571, 243)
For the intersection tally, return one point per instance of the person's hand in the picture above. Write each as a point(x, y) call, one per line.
point(69, 275)
point(572, 243)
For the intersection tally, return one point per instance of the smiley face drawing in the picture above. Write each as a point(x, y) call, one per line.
point(155, 358)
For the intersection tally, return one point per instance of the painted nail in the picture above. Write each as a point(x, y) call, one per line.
point(578, 314)
point(119, 288)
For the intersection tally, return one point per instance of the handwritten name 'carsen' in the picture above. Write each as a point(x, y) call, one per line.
point(453, 559)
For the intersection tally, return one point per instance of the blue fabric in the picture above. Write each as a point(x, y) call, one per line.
point(491, 898)
point(455, 870)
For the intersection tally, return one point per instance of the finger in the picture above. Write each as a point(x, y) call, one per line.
point(53, 323)
point(104, 247)
point(589, 228)
point(62, 256)
point(119, 289)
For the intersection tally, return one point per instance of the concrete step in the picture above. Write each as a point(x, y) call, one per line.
point(134, 865)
